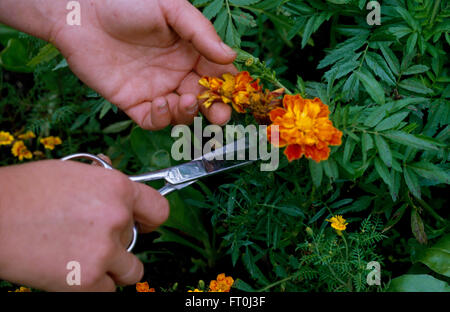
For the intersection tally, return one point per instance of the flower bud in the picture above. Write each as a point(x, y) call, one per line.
point(309, 231)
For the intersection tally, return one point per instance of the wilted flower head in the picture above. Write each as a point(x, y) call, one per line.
point(304, 128)
point(243, 92)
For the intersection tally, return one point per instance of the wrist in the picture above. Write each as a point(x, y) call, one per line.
point(39, 18)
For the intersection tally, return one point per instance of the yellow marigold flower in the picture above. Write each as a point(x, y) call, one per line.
point(50, 142)
point(21, 151)
point(338, 223)
point(304, 128)
point(21, 289)
point(27, 135)
point(144, 287)
point(6, 138)
point(195, 290)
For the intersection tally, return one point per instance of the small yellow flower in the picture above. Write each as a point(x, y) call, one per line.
point(21, 151)
point(50, 142)
point(195, 290)
point(27, 135)
point(338, 223)
point(6, 138)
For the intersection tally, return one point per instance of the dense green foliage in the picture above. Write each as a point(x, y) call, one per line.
point(388, 90)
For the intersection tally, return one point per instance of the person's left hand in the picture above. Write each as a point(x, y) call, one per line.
point(146, 57)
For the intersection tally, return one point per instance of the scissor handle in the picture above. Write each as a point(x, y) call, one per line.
point(106, 166)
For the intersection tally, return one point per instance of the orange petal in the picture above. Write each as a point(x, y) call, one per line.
point(293, 151)
point(277, 112)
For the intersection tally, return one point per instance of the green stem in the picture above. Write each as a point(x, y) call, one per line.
point(431, 211)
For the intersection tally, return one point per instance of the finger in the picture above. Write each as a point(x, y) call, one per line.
point(206, 68)
point(218, 113)
point(150, 209)
point(190, 24)
point(182, 108)
point(151, 115)
point(103, 157)
point(126, 269)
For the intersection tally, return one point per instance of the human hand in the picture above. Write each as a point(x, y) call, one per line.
point(146, 56)
point(56, 212)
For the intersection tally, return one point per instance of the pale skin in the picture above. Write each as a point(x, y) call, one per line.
point(146, 57)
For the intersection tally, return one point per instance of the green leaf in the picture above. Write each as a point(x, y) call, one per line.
point(45, 54)
point(232, 36)
point(14, 57)
point(372, 86)
point(220, 24)
point(407, 17)
point(416, 69)
point(375, 117)
point(309, 28)
point(417, 227)
point(414, 85)
point(380, 68)
point(366, 144)
point(383, 150)
point(383, 171)
point(411, 140)
point(118, 126)
point(391, 122)
point(316, 172)
point(412, 182)
point(241, 285)
point(244, 2)
point(330, 168)
point(430, 171)
point(391, 59)
point(418, 283)
point(411, 43)
point(437, 257)
point(212, 9)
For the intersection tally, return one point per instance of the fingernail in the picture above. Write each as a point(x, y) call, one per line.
point(227, 49)
point(162, 106)
point(193, 108)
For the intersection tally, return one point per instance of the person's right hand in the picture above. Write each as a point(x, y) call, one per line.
point(54, 212)
point(147, 57)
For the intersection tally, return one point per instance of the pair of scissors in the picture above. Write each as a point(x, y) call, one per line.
point(181, 176)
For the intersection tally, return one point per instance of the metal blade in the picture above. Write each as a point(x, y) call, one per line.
point(219, 160)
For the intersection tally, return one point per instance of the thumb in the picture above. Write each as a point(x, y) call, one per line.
point(150, 209)
point(190, 24)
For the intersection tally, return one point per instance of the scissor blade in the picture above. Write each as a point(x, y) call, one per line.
point(219, 160)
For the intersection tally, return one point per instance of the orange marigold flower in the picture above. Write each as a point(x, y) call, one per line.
point(50, 142)
point(144, 287)
point(6, 138)
point(27, 135)
point(21, 151)
point(304, 128)
point(222, 283)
